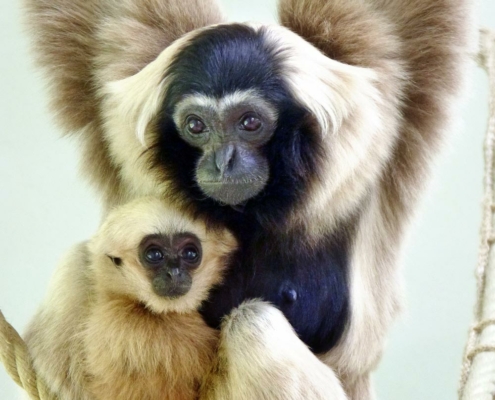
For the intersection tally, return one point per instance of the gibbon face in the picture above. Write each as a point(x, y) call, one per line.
point(252, 118)
point(241, 141)
point(169, 261)
point(148, 251)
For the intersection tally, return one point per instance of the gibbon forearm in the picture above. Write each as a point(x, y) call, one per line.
point(420, 50)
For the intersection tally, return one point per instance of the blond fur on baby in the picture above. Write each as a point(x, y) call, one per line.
point(127, 327)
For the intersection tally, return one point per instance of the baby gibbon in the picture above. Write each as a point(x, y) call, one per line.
point(128, 326)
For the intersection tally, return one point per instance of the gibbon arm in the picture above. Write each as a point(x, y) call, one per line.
point(260, 357)
point(420, 51)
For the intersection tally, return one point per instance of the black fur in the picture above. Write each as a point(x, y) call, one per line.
point(272, 263)
point(270, 266)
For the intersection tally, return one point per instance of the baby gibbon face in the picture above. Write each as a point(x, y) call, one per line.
point(149, 252)
point(169, 261)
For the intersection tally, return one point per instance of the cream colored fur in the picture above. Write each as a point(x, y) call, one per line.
point(260, 357)
point(52, 336)
point(102, 333)
point(380, 77)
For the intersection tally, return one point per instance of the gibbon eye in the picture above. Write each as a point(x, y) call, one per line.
point(195, 125)
point(190, 254)
point(154, 255)
point(250, 123)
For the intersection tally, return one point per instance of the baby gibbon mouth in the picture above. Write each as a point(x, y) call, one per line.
point(172, 285)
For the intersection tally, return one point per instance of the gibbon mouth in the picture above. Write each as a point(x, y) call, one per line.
point(165, 287)
point(232, 193)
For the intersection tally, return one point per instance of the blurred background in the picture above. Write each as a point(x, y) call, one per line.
point(45, 207)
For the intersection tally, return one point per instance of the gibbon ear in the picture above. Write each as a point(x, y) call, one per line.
point(116, 260)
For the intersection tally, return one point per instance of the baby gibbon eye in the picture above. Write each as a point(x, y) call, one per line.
point(250, 122)
point(154, 255)
point(195, 125)
point(190, 254)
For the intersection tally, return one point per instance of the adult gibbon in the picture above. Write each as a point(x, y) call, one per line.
point(310, 141)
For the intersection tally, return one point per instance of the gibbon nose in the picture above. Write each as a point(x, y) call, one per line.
point(224, 158)
point(173, 273)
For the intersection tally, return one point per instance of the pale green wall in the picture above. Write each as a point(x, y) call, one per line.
point(45, 208)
